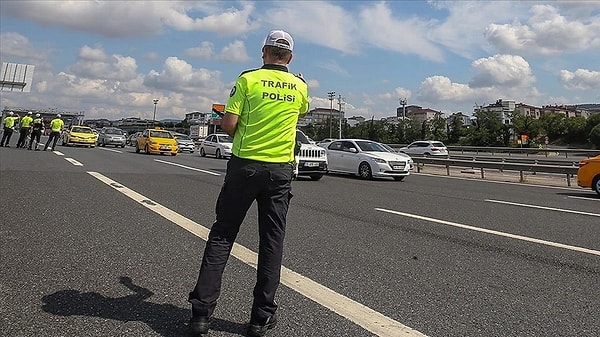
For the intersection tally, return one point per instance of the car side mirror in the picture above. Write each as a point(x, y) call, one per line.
point(353, 150)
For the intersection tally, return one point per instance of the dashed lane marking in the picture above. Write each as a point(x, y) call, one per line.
point(73, 161)
point(187, 167)
point(489, 231)
point(356, 312)
point(542, 207)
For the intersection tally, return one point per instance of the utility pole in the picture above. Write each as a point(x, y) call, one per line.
point(331, 95)
point(340, 102)
point(154, 117)
point(403, 103)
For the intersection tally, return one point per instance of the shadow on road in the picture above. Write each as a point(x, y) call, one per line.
point(166, 319)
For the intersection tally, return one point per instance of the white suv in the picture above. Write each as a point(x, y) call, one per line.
point(311, 160)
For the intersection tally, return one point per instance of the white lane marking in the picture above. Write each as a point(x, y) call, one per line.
point(590, 198)
point(112, 150)
point(73, 161)
point(489, 231)
point(58, 153)
point(356, 312)
point(542, 207)
point(187, 167)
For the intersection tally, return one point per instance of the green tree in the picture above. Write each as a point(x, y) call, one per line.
point(526, 125)
point(487, 129)
point(575, 130)
point(594, 136)
point(554, 125)
point(456, 129)
point(438, 128)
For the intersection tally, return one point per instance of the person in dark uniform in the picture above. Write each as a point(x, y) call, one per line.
point(25, 129)
point(36, 131)
point(261, 115)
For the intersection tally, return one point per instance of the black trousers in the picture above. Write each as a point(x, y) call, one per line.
point(6, 136)
point(54, 135)
point(246, 180)
point(23, 132)
point(35, 136)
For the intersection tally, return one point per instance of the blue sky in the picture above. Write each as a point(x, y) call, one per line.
point(112, 58)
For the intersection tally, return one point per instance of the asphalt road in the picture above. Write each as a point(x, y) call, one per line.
point(107, 242)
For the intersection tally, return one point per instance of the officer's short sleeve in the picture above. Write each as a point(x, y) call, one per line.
point(237, 96)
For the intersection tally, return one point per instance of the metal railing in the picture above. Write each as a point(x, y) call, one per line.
point(545, 151)
point(568, 170)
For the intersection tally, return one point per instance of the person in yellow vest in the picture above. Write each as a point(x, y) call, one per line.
point(261, 115)
point(9, 125)
point(36, 131)
point(56, 126)
point(25, 129)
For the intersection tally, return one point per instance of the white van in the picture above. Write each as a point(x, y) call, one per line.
point(311, 160)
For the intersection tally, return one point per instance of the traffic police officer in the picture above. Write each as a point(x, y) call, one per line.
point(9, 124)
point(36, 131)
point(261, 115)
point(56, 126)
point(24, 130)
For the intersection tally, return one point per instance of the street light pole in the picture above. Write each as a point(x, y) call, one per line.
point(331, 95)
point(403, 103)
point(340, 102)
point(154, 117)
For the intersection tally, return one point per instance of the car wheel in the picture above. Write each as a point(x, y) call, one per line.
point(316, 177)
point(364, 171)
point(202, 153)
point(398, 178)
point(218, 154)
point(173, 154)
point(596, 184)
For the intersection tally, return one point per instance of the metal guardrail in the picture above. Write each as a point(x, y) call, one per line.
point(524, 150)
point(569, 171)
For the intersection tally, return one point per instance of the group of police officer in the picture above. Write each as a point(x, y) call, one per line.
point(32, 126)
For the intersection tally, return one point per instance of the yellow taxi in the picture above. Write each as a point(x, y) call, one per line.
point(79, 135)
point(156, 140)
point(588, 174)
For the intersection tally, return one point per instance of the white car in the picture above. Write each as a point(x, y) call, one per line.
point(216, 144)
point(311, 160)
point(367, 159)
point(185, 143)
point(425, 148)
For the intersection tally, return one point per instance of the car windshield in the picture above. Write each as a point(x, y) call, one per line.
point(114, 132)
point(301, 137)
point(225, 139)
point(161, 134)
point(183, 137)
point(82, 130)
point(389, 148)
point(371, 146)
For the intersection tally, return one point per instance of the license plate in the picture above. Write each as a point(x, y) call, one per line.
point(311, 164)
point(397, 167)
point(165, 147)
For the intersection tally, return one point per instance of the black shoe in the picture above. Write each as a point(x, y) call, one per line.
point(199, 325)
point(260, 329)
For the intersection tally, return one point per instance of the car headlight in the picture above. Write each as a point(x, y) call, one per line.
point(379, 160)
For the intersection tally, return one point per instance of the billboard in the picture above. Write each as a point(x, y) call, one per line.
point(16, 77)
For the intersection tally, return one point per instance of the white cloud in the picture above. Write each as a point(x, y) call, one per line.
point(441, 88)
point(501, 70)
point(547, 32)
point(17, 45)
point(94, 63)
point(178, 75)
point(334, 67)
point(133, 18)
point(580, 79)
point(235, 52)
point(204, 51)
